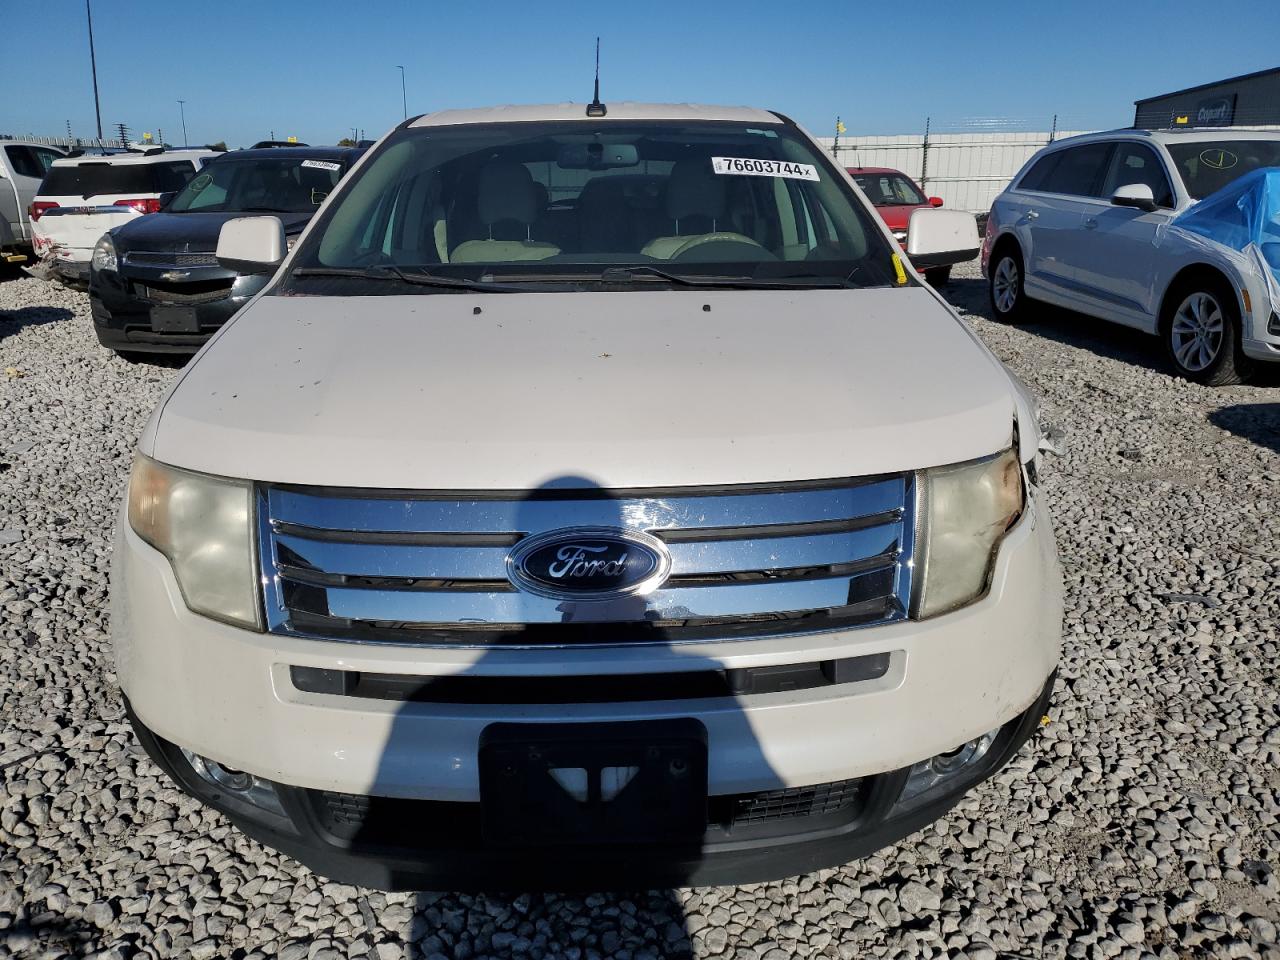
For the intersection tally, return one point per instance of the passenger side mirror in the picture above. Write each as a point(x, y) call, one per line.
point(1134, 195)
point(251, 245)
point(940, 237)
point(935, 201)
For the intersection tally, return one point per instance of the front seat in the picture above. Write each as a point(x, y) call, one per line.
point(505, 191)
point(697, 197)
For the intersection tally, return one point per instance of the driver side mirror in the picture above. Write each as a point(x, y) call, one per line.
point(935, 201)
point(1137, 195)
point(251, 245)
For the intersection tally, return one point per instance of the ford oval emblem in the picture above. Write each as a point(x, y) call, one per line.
point(589, 563)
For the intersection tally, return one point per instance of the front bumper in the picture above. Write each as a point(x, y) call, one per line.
point(226, 694)
point(391, 844)
point(122, 312)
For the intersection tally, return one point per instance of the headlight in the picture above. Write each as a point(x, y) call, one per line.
point(967, 510)
point(204, 526)
point(104, 254)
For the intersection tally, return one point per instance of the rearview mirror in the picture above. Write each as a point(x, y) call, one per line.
point(1134, 195)
point(597, 156)
point(251, 245)
point(936, 238)
point(935, 201)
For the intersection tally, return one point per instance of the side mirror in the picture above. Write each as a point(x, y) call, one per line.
point(936, 238)
point(1134, 195)
point(251, 245)
point(167, 197)
point(935, 201)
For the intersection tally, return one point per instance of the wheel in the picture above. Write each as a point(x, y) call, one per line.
point(1004, 284)
point(1201, 334)
point(938, 276)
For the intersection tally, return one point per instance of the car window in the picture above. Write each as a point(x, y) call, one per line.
point(95, 178)
point(1207, 166)
point(889, 189)
point(263, 184)
point(1079, 171)
point(542, 197)
point(25, 161)
point(1034, 178)
point(172, 175)
point(1137, 163)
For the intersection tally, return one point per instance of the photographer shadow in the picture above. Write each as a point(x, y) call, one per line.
point(590, 760)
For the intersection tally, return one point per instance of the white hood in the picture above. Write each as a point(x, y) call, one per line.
point(623, 389)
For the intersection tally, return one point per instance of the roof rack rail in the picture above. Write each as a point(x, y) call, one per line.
point(278, 143)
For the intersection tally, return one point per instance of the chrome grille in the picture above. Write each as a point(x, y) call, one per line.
point(172, 259)
point(431, 568)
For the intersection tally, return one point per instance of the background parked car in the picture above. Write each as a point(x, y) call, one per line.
point(155, 284)
point(22, 167)
point(1086, 225)
point(82, 197)
point(895, 197)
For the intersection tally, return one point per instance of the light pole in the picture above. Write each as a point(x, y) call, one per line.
point(182, 109)
point(404, 99)
point(93, 65)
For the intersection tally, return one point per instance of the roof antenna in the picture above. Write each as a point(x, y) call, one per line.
point(595, 108)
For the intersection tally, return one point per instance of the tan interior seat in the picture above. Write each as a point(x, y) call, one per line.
point(693, 192)
point(506, 191)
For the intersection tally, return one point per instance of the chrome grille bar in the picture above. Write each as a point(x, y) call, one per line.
point(420, 568)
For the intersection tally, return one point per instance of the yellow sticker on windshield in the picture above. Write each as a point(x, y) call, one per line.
point(897, 268)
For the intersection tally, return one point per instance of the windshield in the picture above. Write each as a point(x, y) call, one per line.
point(636, 201)
point(101, 178)
point(888, 189)
point(261, 184)
point(1206, 166)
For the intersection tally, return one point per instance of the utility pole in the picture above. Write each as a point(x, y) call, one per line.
point(124, 135)
point(404, 98)
point(160, 136)
point(93, 65)
point(182, 108)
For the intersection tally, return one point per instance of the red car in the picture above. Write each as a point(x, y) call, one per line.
point(895, 196)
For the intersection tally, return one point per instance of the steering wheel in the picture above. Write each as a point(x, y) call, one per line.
point(725, 238)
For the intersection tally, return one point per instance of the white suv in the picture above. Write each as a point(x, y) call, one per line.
point(1086, 225)
point(82, 197)
point(590, 499)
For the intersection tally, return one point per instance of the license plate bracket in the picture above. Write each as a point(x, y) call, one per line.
point(636, 782)
point(174, 320)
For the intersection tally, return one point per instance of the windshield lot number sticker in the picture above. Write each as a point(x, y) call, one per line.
point(321, 165)
point(764, 168)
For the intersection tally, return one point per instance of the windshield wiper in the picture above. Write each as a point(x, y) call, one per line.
point(645, 271)
point(388, 271)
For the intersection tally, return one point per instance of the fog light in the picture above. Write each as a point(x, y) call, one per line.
point(933, 775)
point(244, 786)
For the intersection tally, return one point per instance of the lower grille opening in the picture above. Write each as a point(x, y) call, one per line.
point(385, 822)
point(614, 688)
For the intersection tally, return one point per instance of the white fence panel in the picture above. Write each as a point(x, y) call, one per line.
point(967, 170)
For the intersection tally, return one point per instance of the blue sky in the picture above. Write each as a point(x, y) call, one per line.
point(316, 69)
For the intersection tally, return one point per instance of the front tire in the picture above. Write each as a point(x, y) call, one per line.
point(1005, 286)
point(1201, 334)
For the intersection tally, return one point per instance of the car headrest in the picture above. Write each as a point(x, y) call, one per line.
point(506, 192)
point(693, 190)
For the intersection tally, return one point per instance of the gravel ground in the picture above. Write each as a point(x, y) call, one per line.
point(1142, 821)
